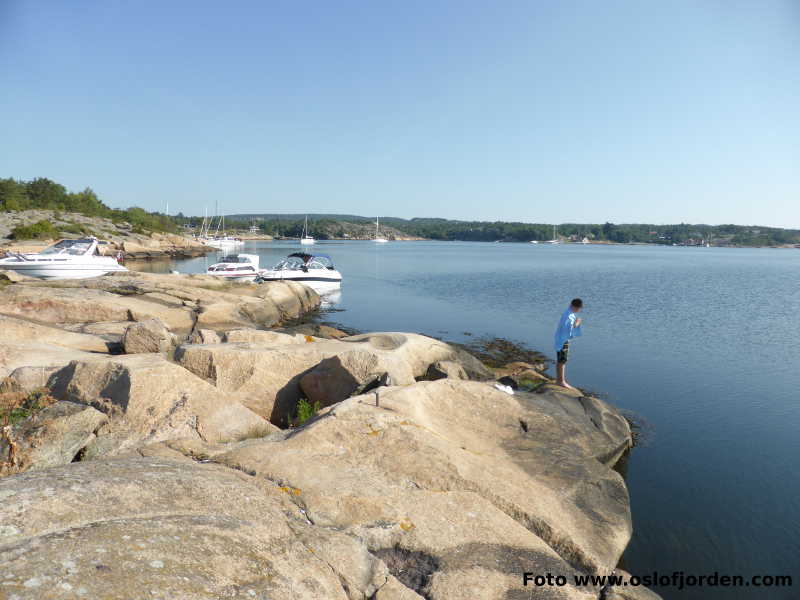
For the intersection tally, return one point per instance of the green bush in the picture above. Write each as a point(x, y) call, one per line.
point(77, 228)
point(305, 410)
point(38, 231)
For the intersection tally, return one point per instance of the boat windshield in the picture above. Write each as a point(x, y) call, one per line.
point(296, 262)
point(320, 262)
point(72, 247)
point(235, 259)
point(292, 263)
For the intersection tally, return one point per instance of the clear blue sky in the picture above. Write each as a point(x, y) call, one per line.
point(587, 111)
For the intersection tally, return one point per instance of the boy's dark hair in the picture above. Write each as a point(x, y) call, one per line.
point(577, 303)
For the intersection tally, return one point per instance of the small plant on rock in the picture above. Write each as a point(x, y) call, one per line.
point(305, 410)
point(17, 406)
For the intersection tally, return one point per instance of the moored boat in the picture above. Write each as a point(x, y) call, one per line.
point(311, 269)
point(237, 267)
point(223, 242)
point(379, 239)
point(66, 259)
point(306, 239)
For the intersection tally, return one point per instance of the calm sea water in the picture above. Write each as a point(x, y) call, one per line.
point(701, 343)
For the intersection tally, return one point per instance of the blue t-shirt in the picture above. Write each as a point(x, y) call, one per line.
point(566, 329)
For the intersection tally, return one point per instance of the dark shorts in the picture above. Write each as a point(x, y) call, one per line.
point(562, 356)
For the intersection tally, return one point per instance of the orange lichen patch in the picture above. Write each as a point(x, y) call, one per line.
point(407, 525)
point(309, 339)
point(290, 490)
point(373, 432)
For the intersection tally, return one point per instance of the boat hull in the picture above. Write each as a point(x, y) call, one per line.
point(320, 280)
point(304, 279)
point(61, 271)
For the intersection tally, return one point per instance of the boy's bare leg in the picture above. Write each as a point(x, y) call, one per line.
point(561, 376)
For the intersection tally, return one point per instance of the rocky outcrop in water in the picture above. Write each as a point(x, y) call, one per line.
point(162, 474)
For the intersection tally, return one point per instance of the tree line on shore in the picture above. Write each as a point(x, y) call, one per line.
point(683, 233)
point(43, 193)
point(324, 226)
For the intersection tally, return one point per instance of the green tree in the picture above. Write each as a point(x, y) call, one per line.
point(12, 195)
point(44, 193)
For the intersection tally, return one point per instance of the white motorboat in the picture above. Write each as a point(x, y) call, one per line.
point(237, 267)
point(315, 270)
point(379, 239)
point(306, 239)
point(66, 259)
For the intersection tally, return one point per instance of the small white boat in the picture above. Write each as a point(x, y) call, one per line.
point(534, 241)
point(66, 259)
point(315, 270)
point(306, 239)
point(238, 267)
point(379, 239)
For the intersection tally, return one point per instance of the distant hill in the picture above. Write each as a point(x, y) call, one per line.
point(356, 226)
point(321, 226)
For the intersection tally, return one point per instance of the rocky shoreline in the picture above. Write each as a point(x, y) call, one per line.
point(121, 236)
point(177, 437)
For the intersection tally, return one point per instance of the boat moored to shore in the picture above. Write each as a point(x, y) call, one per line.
point(237, 267)
point(66, 259)
point(311, 269)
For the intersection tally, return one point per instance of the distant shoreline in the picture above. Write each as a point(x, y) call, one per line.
point(255, 238)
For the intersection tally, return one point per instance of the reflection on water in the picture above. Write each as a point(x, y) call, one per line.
point(155, 265)
point(330, 294)
point(701, 342)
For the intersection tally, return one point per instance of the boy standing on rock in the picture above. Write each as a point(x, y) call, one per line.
point(569, 326)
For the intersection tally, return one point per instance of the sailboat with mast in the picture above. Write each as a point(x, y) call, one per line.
point(379, 239)
point(555, 239)
point(305, 238)
point(220, 240)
